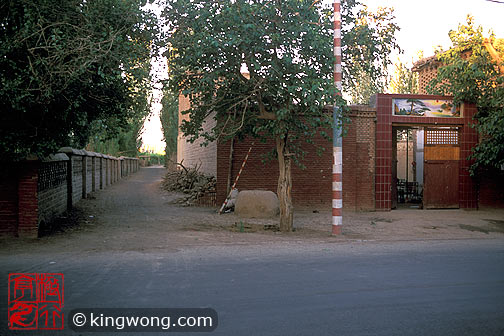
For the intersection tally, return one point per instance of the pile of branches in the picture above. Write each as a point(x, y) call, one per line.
point(189, 181)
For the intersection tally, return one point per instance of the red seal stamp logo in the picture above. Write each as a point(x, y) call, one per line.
point(36, 301)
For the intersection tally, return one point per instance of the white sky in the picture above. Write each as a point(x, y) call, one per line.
point(424, 25)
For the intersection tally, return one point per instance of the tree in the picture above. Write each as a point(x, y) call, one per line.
point(368, 40)
point(404, 80)
point(71, 69)
point(169, 121)
point(472, 75)
point(287, 49)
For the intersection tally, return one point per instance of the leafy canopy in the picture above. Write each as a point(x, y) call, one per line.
point(471, 75)
point(286, 47)
point(69, 69)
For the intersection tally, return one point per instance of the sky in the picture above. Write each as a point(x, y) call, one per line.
point(424, 25)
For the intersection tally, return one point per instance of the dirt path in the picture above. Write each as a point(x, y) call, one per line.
point(136, 215)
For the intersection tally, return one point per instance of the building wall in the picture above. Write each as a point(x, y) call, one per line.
point(311, 187)
point(425, 75)
point(468, 139)
point(192, 154)
point(359, 160)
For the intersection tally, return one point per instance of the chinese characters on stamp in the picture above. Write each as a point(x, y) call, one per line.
point(36, 301)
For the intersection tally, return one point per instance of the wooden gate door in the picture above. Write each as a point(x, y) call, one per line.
point(441, 169)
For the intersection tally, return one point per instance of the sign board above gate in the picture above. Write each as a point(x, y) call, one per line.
point(411, 107)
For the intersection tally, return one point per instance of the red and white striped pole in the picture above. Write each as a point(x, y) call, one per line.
point(337, 180)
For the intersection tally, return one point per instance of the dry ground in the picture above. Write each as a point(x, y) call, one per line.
point(136, 215)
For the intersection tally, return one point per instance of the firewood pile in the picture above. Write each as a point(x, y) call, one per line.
point(189, 181)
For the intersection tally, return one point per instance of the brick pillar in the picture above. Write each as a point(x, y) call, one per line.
point(27, 200)
point(69, 182)
point(101, 172)
point(84, 176)
point(108, 169)
point(93, 173)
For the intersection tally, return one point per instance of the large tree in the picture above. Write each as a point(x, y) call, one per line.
point(71, 69)
point(286, 48)
point(473, 72)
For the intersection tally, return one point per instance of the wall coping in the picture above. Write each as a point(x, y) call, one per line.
point(72, 151)
point(88, 153)
point(56, 157)
point(83, 152)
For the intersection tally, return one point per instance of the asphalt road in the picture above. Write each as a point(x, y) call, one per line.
point(359, 288)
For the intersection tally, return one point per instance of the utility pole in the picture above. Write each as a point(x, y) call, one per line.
point(337, 176)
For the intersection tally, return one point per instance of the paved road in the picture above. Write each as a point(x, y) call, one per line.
point(401, 288)
point(140, 251)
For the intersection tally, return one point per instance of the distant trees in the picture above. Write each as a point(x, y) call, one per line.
point(404, 80)
point(70, 70)
point(169, 121)
point(368, 40)
point(471, 74)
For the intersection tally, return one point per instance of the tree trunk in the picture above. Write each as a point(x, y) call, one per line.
point(284, 184)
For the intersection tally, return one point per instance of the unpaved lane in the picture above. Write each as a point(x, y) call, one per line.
point(136, 215)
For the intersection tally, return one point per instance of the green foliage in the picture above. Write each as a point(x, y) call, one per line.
point(71, 69)
point(127, 142)
point(368, 39)
point(169, 121)
point(471, 75)
point(404, 80)
point(287, 48)
point(154, 159)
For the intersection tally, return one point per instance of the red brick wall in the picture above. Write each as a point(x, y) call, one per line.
point(311, 187)
point(32, 192)
point(27, 200)
point(359, 160)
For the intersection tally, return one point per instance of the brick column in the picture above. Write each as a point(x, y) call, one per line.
point(93, 173)
point(27, 200)
point(84, 176)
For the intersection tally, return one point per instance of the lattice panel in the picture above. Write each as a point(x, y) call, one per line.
point(441, 137)
point(52, 175)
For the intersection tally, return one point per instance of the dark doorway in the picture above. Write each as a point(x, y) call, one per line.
point(407, 167)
